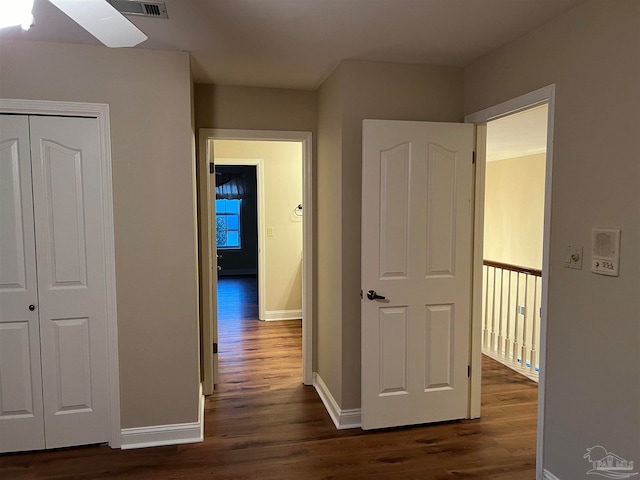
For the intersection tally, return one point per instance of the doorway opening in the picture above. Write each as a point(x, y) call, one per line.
point(284, 231)
point(543, 97)
point(234, 194)
point(513, 232)
point(258, 223)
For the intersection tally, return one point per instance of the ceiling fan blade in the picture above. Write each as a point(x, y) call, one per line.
point(102, 21)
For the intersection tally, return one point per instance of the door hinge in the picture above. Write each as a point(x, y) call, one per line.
point(361, 296)
point(215, 348)
point(469, 371)
point(473, 157)
point(212, 168)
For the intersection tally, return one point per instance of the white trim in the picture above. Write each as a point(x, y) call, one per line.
point(525, 153)
point(518, 104)
point(173, 434)
point(342, 419)
point(208, 280)
point(156, 436)
point(529, 100)
point(525, 372)
point(475, 356)
point(547, 475)
point(101, 113)
point(205, 134)
point(262, 252)
point(275, 315)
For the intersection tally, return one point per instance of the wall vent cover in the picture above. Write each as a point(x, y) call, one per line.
point(143, 9)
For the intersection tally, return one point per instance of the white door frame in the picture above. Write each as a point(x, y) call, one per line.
point(545, 95)
point(259, 164)
point(206, 137)
point(101, 113)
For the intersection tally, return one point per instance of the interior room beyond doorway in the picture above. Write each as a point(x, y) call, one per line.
point(277, 242)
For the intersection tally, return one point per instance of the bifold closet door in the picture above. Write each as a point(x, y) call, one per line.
point(21, 413)
point(70, 308)
point(70, 259)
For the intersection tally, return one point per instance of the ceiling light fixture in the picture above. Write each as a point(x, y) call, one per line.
point(16, 12)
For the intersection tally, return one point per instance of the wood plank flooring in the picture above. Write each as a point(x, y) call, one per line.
point(262, 423)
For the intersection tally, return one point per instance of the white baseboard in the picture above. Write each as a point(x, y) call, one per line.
point(158, 435)
point(273, 315)
point(515, 367)
point(547, 475)
point(342, 419)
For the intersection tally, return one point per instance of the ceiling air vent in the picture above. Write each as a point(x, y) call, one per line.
point(144, 9)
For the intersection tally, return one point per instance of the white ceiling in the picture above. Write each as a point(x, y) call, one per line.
point(297, 43)
point(518, 135)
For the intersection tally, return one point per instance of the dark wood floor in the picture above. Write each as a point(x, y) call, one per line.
point(237, 299)
point(262, 423)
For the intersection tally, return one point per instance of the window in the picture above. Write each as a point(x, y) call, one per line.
point(228, 223)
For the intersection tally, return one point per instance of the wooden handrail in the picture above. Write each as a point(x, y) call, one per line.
point(513, 268)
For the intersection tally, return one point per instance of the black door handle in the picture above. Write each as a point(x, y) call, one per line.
point(32, 307)
point(372, 295)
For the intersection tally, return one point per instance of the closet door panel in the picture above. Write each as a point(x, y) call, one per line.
point(21, 409)
point(71, 279)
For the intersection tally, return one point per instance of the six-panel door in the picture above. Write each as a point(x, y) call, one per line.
point(416, 252)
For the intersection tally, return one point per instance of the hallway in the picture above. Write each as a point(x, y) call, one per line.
point(262, 423)
point(248, 346)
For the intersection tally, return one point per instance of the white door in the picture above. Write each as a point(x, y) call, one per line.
point(71, 281)
point(21, 414)
point(416, 252)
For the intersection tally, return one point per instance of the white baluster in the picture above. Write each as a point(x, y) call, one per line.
point(516, 337)
point(524, 350)
point(485, 319)
point(500, 346)
point(507, 348)
point(493, 313)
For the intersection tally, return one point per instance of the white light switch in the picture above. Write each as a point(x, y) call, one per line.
point(269, 231)
point(573, 257)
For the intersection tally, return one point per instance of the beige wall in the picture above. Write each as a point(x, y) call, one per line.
point(514, 210)
point(250, 108)
point(328, 340)
point(592, 54)
point(148, 93)
point(359, 90)
point(282, 193)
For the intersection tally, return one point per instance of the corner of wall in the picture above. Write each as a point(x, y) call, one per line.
point(163, 435)
point(342, 418)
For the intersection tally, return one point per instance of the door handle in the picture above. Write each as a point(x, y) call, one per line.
point(32, 307)
point(372, 295)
